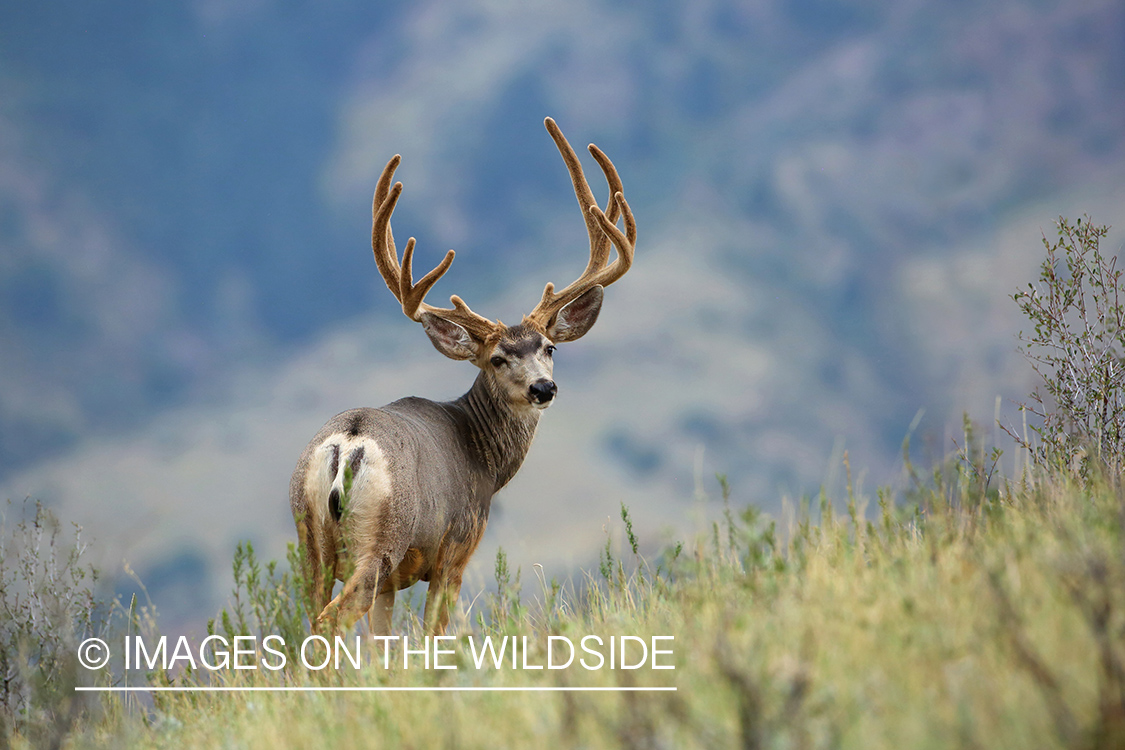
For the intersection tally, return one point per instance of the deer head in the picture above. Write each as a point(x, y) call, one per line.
point(516, 360)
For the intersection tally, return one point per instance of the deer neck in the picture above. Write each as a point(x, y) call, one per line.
point(500, 435)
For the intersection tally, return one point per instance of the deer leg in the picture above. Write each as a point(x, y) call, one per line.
point(356, 598)
point(379, 616)
point(443, 594)
point(317, 553)
point(376, 539)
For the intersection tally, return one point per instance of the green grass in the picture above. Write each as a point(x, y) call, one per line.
point(969, 616)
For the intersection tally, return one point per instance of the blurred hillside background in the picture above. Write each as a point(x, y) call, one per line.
point(834, 201)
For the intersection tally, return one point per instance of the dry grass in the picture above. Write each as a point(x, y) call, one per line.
point(969, 617)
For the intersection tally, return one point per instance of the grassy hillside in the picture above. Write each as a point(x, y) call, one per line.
point(976, 613)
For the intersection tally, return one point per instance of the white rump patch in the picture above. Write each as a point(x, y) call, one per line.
point(371, 480)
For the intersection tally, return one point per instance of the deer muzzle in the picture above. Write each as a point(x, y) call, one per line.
point(542, 391)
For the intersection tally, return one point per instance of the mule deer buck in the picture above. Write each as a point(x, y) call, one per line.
point(384, 498)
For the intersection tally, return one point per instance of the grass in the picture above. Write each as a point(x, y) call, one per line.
point(973, 614)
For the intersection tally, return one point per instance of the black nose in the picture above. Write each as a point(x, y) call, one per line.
point(543, 390)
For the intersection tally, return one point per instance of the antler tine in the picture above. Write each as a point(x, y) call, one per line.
point(601, 226)
point(625, 242)
point(412, 295)
point(384, 183)
point(582, 189)
point(399, 278)
point(382, 241)
point(612, 178)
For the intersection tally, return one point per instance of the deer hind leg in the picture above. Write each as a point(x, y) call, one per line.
point(318, 552)
point(374, 538)
point(358, 594)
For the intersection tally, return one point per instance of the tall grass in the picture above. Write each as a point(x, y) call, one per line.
point(978, 614)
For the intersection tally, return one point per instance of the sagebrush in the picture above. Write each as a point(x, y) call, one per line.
point(47, 607)
point(1077, 346)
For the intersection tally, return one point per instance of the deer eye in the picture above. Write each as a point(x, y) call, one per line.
point(550, 349)
point(497, 361)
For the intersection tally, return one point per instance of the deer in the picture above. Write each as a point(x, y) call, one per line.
point(384, 498)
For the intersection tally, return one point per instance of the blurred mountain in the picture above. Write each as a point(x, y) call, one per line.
point(834, 201)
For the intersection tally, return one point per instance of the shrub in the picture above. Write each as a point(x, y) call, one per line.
point(1077, 348)
point(47, 607)
point(274, 604)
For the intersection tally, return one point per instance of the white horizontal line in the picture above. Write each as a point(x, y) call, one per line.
point(389, 689)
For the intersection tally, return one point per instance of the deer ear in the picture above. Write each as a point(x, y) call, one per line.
point(449, 338)
point(576, 317)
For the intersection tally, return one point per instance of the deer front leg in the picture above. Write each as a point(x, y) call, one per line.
point(379, 616)
point(443, 594)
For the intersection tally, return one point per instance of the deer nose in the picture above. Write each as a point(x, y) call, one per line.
point(542, 391)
